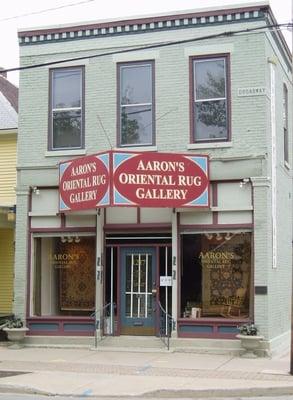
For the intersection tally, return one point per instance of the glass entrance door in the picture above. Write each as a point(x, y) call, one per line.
point(138, 290)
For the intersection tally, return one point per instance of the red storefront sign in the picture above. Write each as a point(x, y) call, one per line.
point(160, 180)
point(118, 178)
point(84, 183)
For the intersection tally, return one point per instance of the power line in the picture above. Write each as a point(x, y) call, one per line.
point(46, 10)
point(105, 132)
point(147, 47)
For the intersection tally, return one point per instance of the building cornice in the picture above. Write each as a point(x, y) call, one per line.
point(144, 24)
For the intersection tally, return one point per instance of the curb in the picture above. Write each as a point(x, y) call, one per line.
point(18, 389)
point(160, 394)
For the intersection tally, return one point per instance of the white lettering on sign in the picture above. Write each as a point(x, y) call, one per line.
point(252, 91)
point(78, 197)
point(161, 194)
point(84, 169)
point(163, 166)
point(165, 280)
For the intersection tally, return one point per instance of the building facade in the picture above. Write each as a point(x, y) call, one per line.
point(8, 139)
point(163, 90)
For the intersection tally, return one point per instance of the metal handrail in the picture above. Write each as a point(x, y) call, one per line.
point(166, 324)
point(100, 316)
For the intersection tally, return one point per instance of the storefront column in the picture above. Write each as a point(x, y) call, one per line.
point(262, 248)
point(174, 272)
point(21, 252)
point(99, 272)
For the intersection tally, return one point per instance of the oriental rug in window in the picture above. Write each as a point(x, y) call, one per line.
point(63, 275)
point(77, 278)
point(215, 275)
point(226, 274)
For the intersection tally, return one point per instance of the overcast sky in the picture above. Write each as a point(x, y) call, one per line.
point(89, 10)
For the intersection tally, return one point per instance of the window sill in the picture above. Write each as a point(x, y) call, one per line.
point(58, 153)
point(137, 148)
point(218, 145)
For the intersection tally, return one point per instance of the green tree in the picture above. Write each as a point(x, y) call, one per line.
point(129, 129)
point(212, 112)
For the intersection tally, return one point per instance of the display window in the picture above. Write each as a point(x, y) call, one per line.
point(215, 275)
point(63, 276)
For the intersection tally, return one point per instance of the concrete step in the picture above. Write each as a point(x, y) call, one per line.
point(138, 344)
point(60, 341)
point(205, 346)
point(131, 343)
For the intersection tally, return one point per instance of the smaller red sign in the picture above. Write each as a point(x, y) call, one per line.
point(84, 183)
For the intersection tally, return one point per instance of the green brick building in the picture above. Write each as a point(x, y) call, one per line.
point(213, 82)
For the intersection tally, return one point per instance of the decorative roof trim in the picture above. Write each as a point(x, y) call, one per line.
point(142, 25)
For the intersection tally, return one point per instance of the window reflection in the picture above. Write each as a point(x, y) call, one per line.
point(136, 104)
point(216, 274)
point(64, 276)
point(66, 108)
point(210, 99)
point(66, 88)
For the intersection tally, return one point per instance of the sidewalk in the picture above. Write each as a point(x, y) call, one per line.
point(87, 372)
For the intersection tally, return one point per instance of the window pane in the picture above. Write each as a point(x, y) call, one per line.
point(142, 310)
point(128, 273)
point(216, 275)
point(64, 276)
point(136, 84)
point(210, 120)
point(128, 305)
point(286, 147)
point(150, 283)
point(285, 106)
point(135, 273)
point(66, 129)
point(66, 88)
point(136, 125)
point(150, 299)
point(209, 77)
point(135, 306)
point(142, 273)
point(285, 123)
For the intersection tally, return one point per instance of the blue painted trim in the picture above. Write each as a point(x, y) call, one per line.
point(202, 200)
point(62, 205)
point(121, 200)
point(196, 329)
point(119, 158)
point(105, 200)
point(43, 327)
point(105, 160)
point(201, 162)
point(62, 168)
point(126, 321)
point(79, 327)
point(228, 329)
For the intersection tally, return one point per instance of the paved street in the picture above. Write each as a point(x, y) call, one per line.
point(39, 397)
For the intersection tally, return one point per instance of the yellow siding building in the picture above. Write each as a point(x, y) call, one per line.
point(8, 140)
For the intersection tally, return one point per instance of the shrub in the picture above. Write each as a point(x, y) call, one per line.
point(248, 329)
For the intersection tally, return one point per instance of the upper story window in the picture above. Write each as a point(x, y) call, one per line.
point(210, 99)
point(66, 108)
point(285, 123)
point(136, 104)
